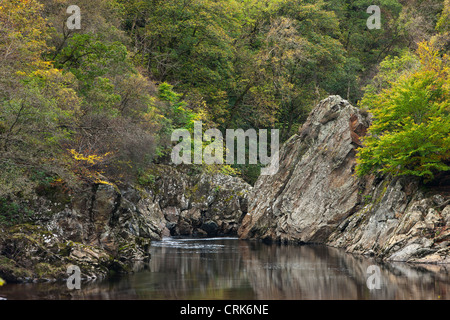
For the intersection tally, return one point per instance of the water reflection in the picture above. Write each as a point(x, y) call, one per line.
point(226, 268)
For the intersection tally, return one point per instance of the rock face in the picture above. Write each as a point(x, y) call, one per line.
point(314, 189)
point(398, 222)
point(315, 197)
point(104, 229)
point(199, 206)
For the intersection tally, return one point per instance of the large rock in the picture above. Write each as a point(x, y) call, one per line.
point(316, 198)
point(314, 189)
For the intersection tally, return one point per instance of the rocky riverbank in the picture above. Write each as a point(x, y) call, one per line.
point(316, 198)
point(105, 230)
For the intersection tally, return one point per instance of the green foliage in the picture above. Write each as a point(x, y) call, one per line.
point(410, 134)
point(114, 91)
point(224, 169)
point(389, 70)
point(178, 110)
point(88, 57)
point(246, 63)
point(365, 48)
point(443, 23)
point(23, 38)
point(146, 179)
point(12, 213)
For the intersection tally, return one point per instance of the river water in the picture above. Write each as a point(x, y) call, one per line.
point(227, 268)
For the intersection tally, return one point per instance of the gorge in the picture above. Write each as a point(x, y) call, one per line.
point(314, 198)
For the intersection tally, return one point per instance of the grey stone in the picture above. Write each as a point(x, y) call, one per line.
point(446, 215)
point(315, 196)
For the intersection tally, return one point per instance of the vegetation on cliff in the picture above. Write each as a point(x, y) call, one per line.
point(410, 134)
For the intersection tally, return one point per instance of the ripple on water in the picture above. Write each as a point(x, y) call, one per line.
point(203, 244)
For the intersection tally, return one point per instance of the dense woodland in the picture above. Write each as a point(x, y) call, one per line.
point(98, 104)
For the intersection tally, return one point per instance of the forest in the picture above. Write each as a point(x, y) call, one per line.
point(98, 104)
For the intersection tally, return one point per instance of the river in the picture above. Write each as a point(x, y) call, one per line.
point(227, 268)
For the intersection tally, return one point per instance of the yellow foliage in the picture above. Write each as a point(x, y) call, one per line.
point(90, 159)
point(100, 181)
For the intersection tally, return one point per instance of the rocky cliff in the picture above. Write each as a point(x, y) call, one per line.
point(199, 205)
point(104, 229)
point(316, 198)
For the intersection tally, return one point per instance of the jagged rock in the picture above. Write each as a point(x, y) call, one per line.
point(433, 219)
point(315, 197)
point(314, 189)
point(183, 228)
point(446, 215)
point(103, 229)
point(199, 202)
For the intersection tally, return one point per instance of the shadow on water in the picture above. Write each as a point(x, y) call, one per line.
point(226, 268)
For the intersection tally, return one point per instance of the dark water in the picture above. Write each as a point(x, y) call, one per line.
point(226, 268)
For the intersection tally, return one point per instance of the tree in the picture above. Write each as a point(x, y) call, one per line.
point(285, 54)
point(23, 36)
point(365, 48)
point(410, 134)
point(88, 100)
point(36, 99)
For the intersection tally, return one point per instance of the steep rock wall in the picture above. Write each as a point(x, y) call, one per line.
point(316, 198)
